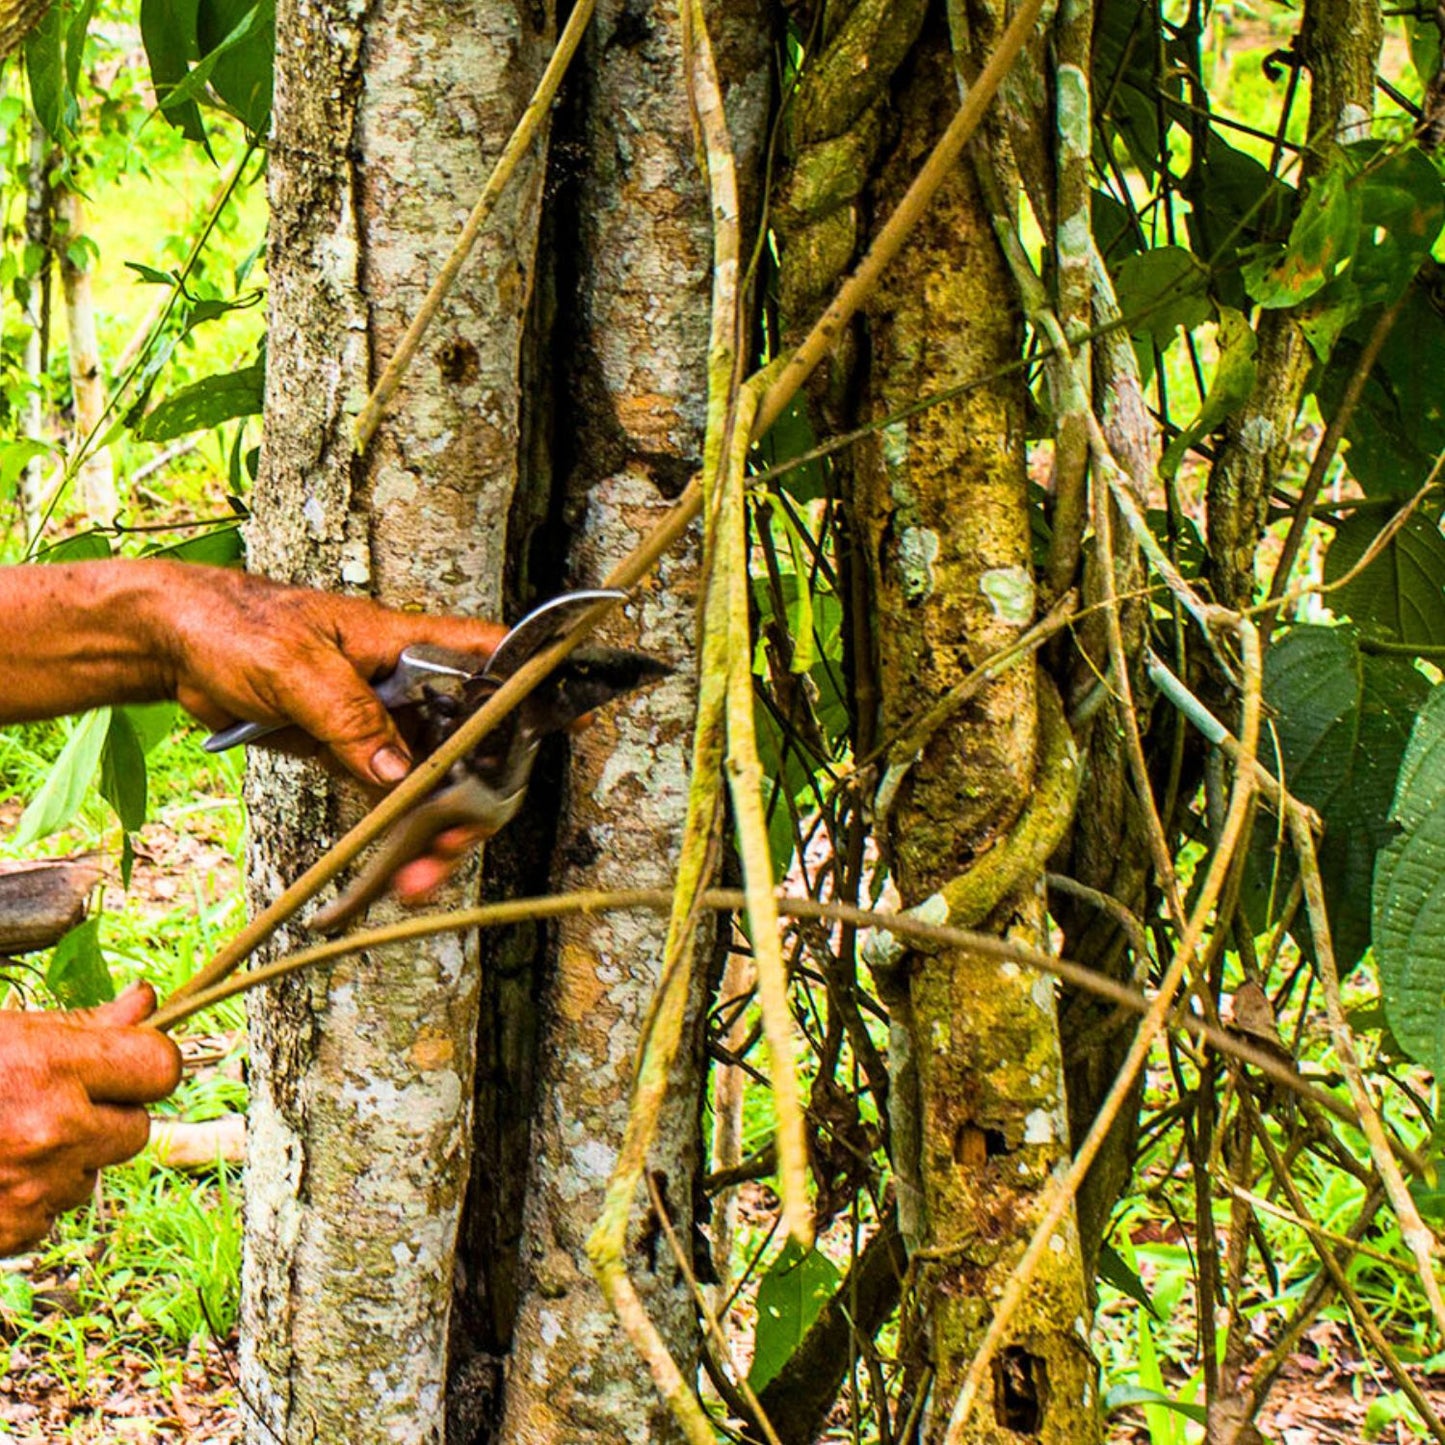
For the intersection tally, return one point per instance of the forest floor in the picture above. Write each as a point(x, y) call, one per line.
point(64, 1382)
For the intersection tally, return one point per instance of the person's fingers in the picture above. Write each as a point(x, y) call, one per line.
point(120, 1134)
point(341, 711)
point(71, 1191)
point(415, 882)
point(454, 843)
point(118, 1065)
point(136, 1004)
point(393, 631)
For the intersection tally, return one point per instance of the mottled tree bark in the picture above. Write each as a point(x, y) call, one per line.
point(387, 119)
point(1340, 45)
point(978, 1096)
point(634, 258)
point(95, 481)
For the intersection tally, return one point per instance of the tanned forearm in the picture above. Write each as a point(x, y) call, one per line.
point(77, 635)
point(225, 645)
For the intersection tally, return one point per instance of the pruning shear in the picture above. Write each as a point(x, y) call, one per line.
point(484, 788)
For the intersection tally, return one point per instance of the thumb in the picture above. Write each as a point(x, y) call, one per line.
point(134, 1006)
point(341, 711)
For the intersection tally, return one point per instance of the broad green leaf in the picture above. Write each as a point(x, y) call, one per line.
point(206, 403)
point(1429, 1193)
point(1423, 38)
point(253, 23)
point(1321, 240)
point(84, 547)
point(15, 457)
point(1161, 291)
point(1398, 428)
point(78, 975)
point(1240, 205)
point(1128, 1397)
point(792, 436)
point(787, 775)
point(790, 1297)
point(219, 547)
point(1114, 1270)
point(1402, 207)
point(243, 71)
point(168, 31)
point(1401, 594)
point(123, 772)
point(50, 91)
point(1341, 719)
point(17, 1298)
point(1229, 389)
point(1409, 896)
point(59, 797)
point(152, 722)
point(76, 32)
point(151, 275)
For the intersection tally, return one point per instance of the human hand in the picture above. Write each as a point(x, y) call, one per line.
point(71, 1087)
point(241, 647)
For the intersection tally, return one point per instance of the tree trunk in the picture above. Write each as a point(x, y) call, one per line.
point(633, 262)
point(978, 1099)
point(387, 120)
point(38, 215)
point(95, 480)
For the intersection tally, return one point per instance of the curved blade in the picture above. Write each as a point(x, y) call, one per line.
point(542, 626)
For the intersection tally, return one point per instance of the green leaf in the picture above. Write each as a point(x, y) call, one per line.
point(15, 457)
point(1403, 207)
point(206, 403)
point(1398, 428)
point(1341, 720)
point(219, 547)
point(152, 722)
point(123, 772)
point(1114, 1270)
point(76, 33)
point(78, 976)
point(84, 547)
point(1162, 291)
point(1408, 896)
point(254, 23)
point(1128, 1397)
point(1321, 241)
point(1401, 594)
point(243, 72)
point(1241, 205)
point(65, 786)
point(1429, 1192)
point(151, 275)
point(1229, 389)
point(50, 91)
point(168, 31)
point(790, 1296)
point(17, 1298)
point(792, 436)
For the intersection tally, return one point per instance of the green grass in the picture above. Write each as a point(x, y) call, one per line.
point(157, 1266)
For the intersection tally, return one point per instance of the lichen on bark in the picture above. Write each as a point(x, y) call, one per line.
point(980, 1073)
point(362, 1072)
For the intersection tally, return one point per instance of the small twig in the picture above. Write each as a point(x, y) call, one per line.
point(709, 1319)
point(1381, 540)
point(1325, 454)
point(659, 900)
point(1317, 1232)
